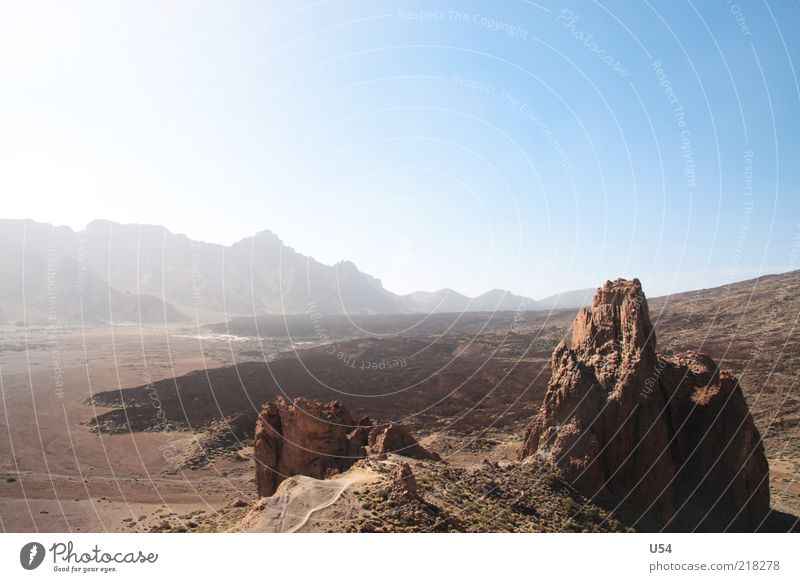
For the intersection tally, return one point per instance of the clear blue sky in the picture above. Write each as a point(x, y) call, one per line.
point(537, 147)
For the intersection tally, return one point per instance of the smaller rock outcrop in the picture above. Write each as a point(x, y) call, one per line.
point(404, 484)
point(397, 438)
point(319, 440)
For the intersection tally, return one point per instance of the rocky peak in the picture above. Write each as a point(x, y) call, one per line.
point(669, 439)
point(616, 332)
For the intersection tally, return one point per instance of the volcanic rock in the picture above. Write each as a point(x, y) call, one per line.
point(397, 438)
point(404, 483)
point(306, 437)
point(358, 439)
point(309, 437)
point(667, 439)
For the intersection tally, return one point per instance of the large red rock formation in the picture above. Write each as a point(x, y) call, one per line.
point(306, 437)
point(666, 438)
point(309, 437)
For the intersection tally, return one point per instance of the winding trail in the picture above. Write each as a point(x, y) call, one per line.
point(334, 498)
point(299, 498)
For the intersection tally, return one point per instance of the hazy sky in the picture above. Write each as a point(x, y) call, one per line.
point(532, 146)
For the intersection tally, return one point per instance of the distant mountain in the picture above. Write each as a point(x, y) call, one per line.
point(258, 274)
point(447, 300)
point(132, 272)
point(41, 282)
point(568, 299)
point(500, 300)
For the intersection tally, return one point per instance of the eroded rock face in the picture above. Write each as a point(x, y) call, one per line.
point(305, 437)
point(309, 437)
point(397, 438)
point(667, 438)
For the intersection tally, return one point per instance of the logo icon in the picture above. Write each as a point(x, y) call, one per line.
point(31, 555)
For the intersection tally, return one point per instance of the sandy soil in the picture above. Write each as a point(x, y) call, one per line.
point(784, 485)
point(56, 475)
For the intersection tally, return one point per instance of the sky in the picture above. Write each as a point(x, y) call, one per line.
point(530, 146)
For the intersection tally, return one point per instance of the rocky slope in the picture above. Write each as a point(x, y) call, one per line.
point(668, 438)
point(393, 493)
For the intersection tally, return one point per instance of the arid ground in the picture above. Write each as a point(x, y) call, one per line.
point(149, 427)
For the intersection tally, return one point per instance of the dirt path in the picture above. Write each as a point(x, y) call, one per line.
point(301, 498)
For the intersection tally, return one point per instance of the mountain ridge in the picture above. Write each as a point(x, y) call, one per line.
point(176, 276)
